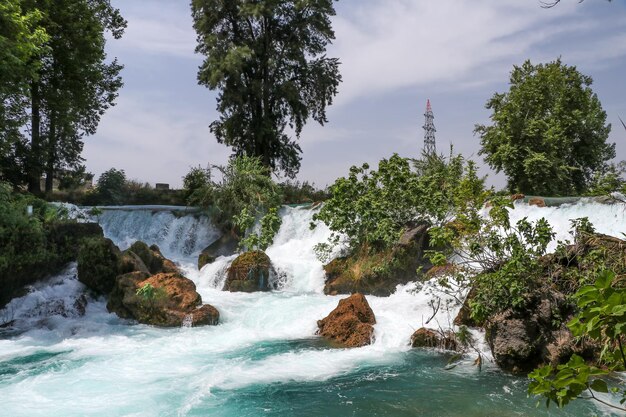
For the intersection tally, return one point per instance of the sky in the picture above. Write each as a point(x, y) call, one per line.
point(394, 54)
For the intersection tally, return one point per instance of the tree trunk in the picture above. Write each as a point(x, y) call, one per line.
point(34, 156)
point(51, 154)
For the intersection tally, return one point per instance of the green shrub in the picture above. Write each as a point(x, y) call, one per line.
point(245, 184)
point(602, 318)
point(371, 208)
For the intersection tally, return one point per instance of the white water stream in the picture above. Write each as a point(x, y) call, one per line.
point(112, 368)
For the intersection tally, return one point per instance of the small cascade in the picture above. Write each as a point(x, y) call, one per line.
point(178, 236)
point(187, 321)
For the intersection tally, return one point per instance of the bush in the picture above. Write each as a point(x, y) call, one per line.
point(111, 185)
point(371, 208)
point(296, 192)
point(245, 184)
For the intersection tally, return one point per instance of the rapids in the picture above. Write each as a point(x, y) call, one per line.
point(64, 355)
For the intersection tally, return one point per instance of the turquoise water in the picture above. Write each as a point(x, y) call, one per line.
point(53, 382)
point(264, 358)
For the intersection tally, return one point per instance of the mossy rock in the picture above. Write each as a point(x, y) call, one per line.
point(154, 263)
point(131, 262)
point(99, 263)
point(172, 301)
point(380, 272)
point(226, 245)
point(249, 272)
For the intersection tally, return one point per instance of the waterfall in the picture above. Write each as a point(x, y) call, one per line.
point(179, 236)
point(265, 343)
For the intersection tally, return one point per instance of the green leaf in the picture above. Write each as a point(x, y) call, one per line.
point(599, 385)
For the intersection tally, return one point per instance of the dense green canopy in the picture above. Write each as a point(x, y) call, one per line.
point(549, 132)
point(267, 59)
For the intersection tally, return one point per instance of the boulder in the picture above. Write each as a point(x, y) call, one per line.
point(517, 196)
point(537, 201)
point(152, 258)
point(249, 272)
point(224, 246)
point(167, 265)
point(131, 262)
point(428, 338)
point(169, 301)
point(142, 250)
point(464, 317)
point(379, 273)
point(520, 341)
point(350, 324)
point(99, 263)
point(123, 299)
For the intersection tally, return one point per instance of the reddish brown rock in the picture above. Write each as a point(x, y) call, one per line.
point(518, 196)
point(428, 338)
point(537, 201)
point(205, 315)
point(170, 300)
point(350, 324)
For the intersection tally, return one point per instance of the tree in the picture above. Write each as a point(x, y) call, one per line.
point(267, 59)
point(111, 186)
point(75, 84)
point(21, 39)
point(549, 132)
point(550, 4)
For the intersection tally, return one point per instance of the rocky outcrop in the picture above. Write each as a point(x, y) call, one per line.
point(99, 262)
point(428, 338)
point(249, 272)
point(224, 246)
point(351, 324)
point(519, 341)
point(464, 316)
point(164, 299)
point(152, 258)
point(380, 273)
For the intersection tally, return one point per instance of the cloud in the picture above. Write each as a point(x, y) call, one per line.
point(160, 28)
point(153, 141)
point(386, 46)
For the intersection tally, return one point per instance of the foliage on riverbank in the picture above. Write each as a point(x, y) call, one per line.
point(33, 246)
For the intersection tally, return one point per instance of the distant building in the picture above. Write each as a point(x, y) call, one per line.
point(161, 186)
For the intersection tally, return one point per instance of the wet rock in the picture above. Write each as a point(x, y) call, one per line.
point(205, 315)
point(537, 201)
point(168, 266)
point(224, 246)
point(380, 273)
point(99, 263)
point(166, 300)
point(350, 324)
point(131, 262)
point(464, 317)
point(428, 338)
point(249, 272)
point(519, 340)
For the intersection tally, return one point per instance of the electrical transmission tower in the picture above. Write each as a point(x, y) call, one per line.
point(429, 131)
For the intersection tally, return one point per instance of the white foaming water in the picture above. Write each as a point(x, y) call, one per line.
point(103, 365)
point(609, 219)
point(178, 237)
